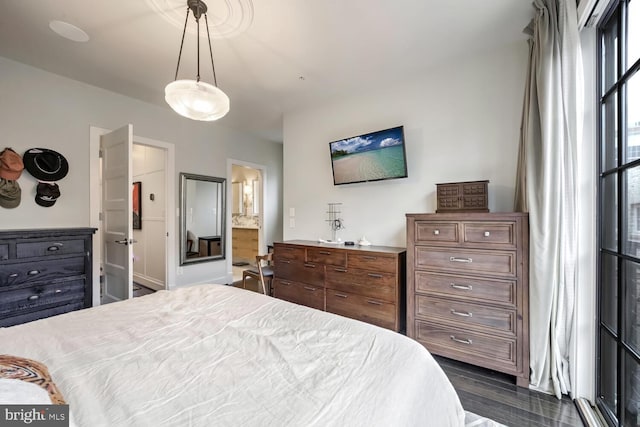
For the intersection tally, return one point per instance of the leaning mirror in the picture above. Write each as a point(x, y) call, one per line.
point(202, 218)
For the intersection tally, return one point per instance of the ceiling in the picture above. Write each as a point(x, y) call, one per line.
point(274, 55)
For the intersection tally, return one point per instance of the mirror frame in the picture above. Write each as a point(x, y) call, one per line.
point(184, 177)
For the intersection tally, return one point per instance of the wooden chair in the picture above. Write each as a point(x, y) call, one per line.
point(261, 273)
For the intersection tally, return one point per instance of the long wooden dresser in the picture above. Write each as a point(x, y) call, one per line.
point(44, 273)
point(360, 282)
point(467, 288)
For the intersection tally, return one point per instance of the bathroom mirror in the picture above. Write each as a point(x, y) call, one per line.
point(202, 218)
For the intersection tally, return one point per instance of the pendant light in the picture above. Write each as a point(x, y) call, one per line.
point(195, 99)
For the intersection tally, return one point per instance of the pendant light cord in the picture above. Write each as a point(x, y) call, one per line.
point(182, 44)
point(215, 81)
point(206, 21)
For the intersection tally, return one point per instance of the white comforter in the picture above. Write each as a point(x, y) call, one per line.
point(214, 355)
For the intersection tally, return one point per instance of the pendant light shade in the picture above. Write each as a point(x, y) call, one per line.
point(195, 99)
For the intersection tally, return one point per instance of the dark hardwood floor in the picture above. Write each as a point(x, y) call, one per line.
point(495, 395)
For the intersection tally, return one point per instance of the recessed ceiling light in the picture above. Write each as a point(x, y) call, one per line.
point(68, 31)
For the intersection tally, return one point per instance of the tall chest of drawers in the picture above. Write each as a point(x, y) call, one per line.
point(364, 283)
point(468, 290)
point(44, 273)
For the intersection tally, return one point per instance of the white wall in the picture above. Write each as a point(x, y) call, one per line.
point(461, 123)
point(41, 109)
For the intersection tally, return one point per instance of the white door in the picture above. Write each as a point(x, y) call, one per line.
point(117, 223)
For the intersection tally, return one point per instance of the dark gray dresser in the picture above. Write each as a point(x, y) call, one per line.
point(44, 272)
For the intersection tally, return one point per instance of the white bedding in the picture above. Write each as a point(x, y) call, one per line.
point(214, 355)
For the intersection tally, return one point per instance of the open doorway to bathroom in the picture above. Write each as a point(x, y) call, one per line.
point(247, 201)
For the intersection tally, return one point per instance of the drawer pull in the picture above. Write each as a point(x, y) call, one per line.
point(369, 301)
point(467, 341)
point(57, 291)
point(487, 233)
point(462, 313)
point(33, 272)
point(33, 297)
point(13, 275)
point(340, 270)
point(375, 276)
point(324, 253)
point(340, 295)
point(282, 282)
point(285, 261)
point(436, 232)
point(309, 288)
point(55, 247)
point(462, 287)
point(458, 259)
point(310, 265)
point(369, 257)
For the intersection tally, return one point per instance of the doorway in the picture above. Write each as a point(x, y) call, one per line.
point(155, 168)
point(247, 215)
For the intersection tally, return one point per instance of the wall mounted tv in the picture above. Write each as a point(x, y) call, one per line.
point(370, 157)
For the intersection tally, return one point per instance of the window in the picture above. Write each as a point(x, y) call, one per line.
point(618, 362)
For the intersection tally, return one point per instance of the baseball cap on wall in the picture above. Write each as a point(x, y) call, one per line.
point(45, 165)
point(47, 194)
point(9, 193)
point(11, 165)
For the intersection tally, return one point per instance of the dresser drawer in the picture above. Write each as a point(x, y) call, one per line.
point(288, 252)
point(436, 232)
point(299, 293)
point(370, 310)
point(490, 234)
point(16, 301)
point(494, 291)
point(363, 282)
point(40, 314)
point(4, 251)
point(461, 344)
point(327, 256)
point(495, 263)
point(49, 247)
point(306, 272)
point(18, 273)
point(373, 261)
point(467, 315)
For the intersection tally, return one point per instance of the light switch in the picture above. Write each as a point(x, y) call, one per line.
point(292, 223)
point(292, 211)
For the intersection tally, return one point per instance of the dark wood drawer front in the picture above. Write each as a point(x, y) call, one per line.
point(40, 314)
point(299, 293)
point(373, 261)
point(327, 256)
point(4, 251)
point(359, 307)
point(16, 301)
point(363, 282)
point(436, 232)
point(286, 252)
point(496, 263)
point(461, 344)
point(306, 272)
point(15, 274)
point(469, 288)
point(49, 247)
point(490, 234)
point(467, 315)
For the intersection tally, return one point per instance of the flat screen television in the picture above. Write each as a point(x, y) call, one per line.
point(370, 157)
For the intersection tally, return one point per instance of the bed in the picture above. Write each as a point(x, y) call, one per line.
point(215, 355)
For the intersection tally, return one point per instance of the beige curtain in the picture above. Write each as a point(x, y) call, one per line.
point(546, 186)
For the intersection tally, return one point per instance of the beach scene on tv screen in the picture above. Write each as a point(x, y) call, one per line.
point(374, 156)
